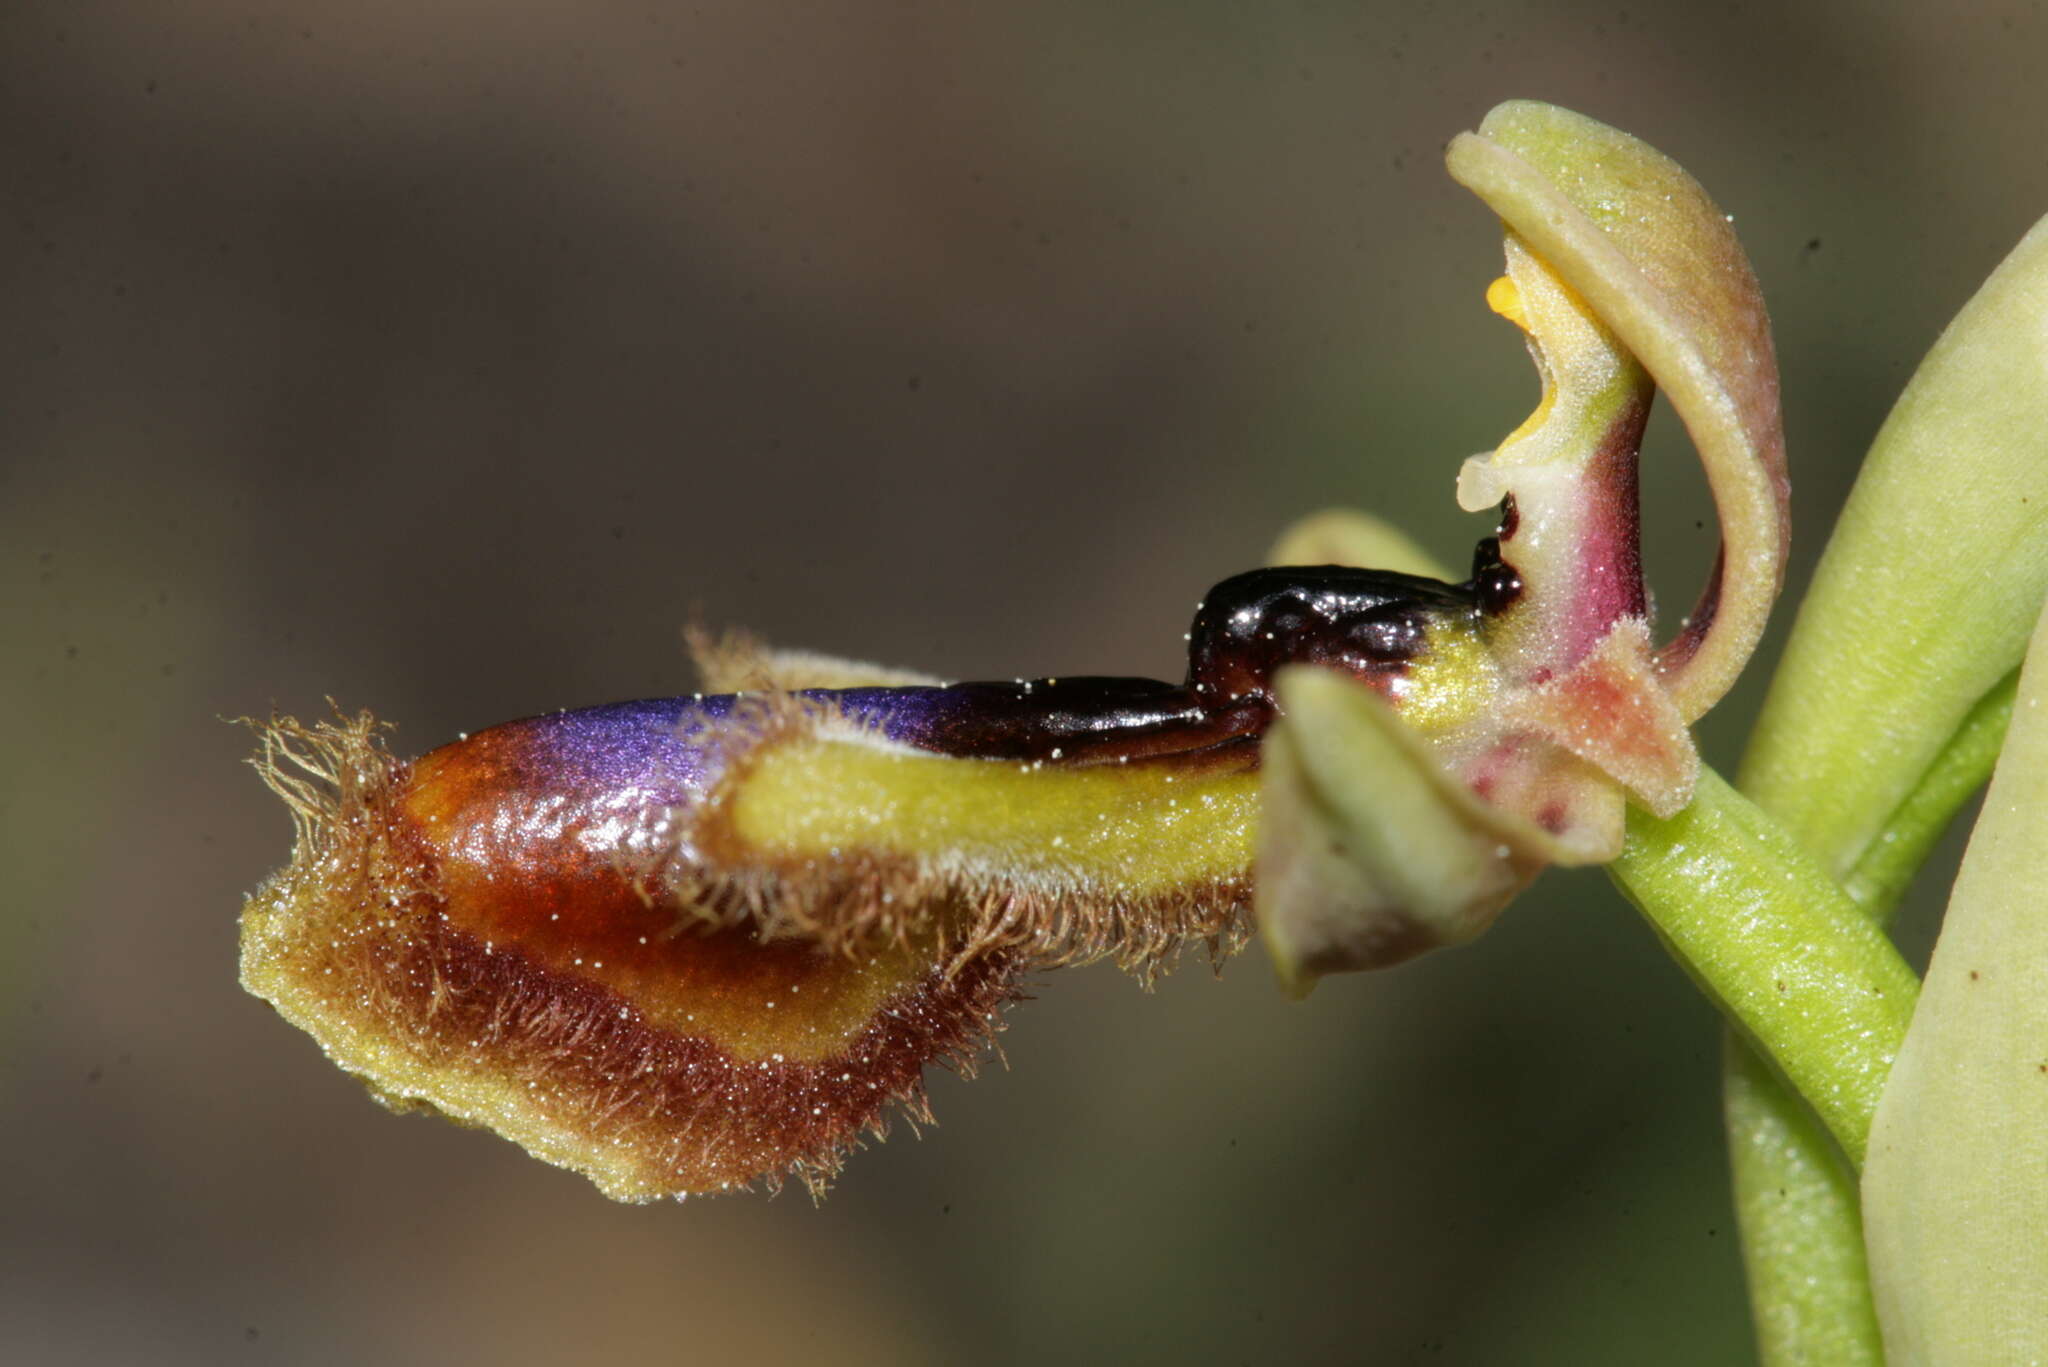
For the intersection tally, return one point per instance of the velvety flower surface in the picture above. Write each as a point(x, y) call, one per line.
point(684, 944)
point(475, 932)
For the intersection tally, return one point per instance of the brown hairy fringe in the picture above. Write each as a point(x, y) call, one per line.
point(351, 943)
point(664, 1114)
point(336, 778)
point(733, 661)
point(859, 898)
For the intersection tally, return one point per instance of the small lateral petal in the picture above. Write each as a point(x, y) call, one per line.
point(1370, 851)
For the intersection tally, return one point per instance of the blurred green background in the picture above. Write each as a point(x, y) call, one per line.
point(446, 358)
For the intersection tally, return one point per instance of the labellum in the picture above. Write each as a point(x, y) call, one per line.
point(684, 945)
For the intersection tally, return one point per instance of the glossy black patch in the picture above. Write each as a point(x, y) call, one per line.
point(1368, 622)
point(1495, 583)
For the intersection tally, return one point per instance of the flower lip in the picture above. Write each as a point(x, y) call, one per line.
point(686, 944)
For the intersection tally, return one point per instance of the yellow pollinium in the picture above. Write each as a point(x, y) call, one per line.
point(1133, 829)
point(1587, 379)
point(1504, 297)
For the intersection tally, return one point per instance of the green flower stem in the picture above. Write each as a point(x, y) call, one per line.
point(1796, 1203)
point(1802, 1224)
point(1802, 1229)
point(1783, 952)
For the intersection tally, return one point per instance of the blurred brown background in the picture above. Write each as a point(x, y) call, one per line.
point(445, 358)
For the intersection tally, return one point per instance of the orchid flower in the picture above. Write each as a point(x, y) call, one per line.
point(694, 944)
point(686, 944)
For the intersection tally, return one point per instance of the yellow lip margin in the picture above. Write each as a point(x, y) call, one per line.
point(1132, 828)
